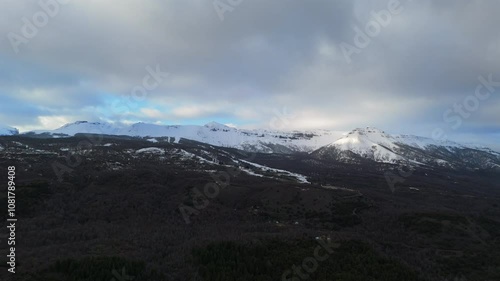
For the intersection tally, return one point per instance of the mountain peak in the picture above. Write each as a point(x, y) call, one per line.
point(7, 130)
point(73, 123)
point(367, 130)
point(368, 142)
point(216, 125)
point(80, 123)
point(367, 135)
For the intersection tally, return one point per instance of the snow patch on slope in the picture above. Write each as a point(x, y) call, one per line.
point(300, 178)
point(150, 150)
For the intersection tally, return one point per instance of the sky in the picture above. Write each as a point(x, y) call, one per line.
point(430, 68)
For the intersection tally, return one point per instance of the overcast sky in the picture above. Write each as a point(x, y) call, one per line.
point(405, 67)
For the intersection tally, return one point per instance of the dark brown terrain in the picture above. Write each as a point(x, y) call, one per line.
point(123, 215)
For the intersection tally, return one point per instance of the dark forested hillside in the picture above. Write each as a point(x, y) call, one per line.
point(128, 209)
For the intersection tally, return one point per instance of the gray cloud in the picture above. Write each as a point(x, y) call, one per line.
point(264, 56)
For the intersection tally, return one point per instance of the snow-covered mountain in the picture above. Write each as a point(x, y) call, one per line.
point(361, 144)
point(8, 131)
point(376, 145)
point(212, 133)
point(81, 127)
point(368, 143)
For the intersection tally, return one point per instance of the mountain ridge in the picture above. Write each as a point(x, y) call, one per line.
point(257, 140)
point(361, 143)
point(375, 145)
point(8, 131)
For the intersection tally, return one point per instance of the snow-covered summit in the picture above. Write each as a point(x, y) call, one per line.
point(8, 131)
point(85, 127)
point(212, 133)
point(374, 144)
point(214, 126)
point(369, 143)
point(423, 142)
point(363, 139)
point(368, 130)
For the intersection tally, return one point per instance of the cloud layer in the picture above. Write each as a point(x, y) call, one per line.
point(250, 62)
